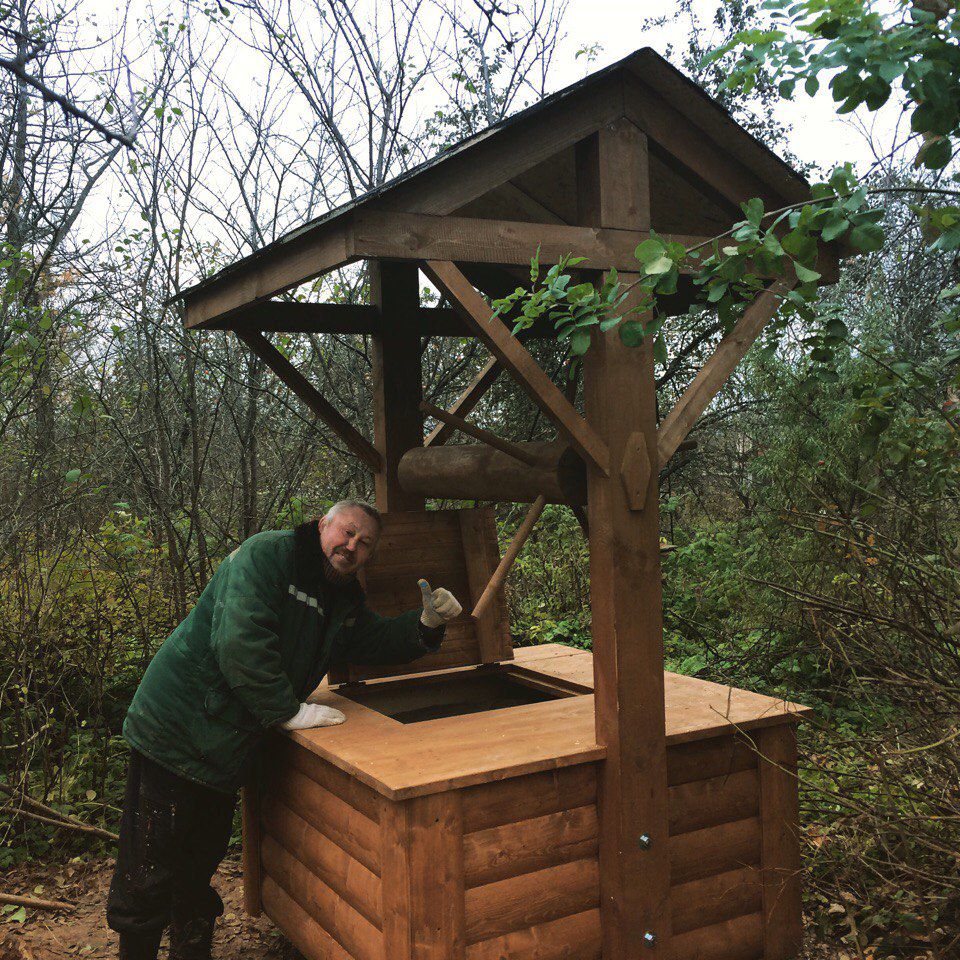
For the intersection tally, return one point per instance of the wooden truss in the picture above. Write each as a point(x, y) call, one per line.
point(591, 172)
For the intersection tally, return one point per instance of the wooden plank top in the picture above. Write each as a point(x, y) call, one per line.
point(402, 760)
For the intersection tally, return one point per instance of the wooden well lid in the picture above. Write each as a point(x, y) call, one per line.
point(456, 549)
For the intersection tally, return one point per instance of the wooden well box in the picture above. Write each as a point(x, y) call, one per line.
point(455, 813)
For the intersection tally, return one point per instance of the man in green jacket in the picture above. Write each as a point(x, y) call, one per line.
point(278, 612)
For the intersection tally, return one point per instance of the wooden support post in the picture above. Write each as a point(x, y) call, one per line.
point(250, 823)
point(397, 385)
point(422, 878)
point(467, 400)
point(780, 842)
point(625, 589)
point(312, 397)
point(479, 433)
point(513, 551)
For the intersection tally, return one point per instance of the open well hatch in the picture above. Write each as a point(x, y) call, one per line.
point(490, 687)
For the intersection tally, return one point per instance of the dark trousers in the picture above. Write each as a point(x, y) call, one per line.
point(173, 835)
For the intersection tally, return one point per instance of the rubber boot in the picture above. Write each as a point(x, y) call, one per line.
point(140, 946)
point(191, 939)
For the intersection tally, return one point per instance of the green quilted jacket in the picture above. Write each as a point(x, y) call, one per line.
point(256, 644)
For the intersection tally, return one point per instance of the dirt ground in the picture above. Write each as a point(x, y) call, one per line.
point(83, 932)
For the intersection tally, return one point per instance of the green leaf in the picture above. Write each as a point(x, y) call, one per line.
point(72, 476)
point(660, 351)
point(753, 210)
point(580, 342)
point(867, 237)
point(658, 266)
point(649, 251)
point(631, 333)
point(804, 274)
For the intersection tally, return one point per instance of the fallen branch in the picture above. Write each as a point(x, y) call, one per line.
point(46, 814)
point(35, 902)
point(70, 825)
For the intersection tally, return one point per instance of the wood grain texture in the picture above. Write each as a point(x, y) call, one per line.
point(423, 878)
point(704, 759)
point(339, 919)
point(737, 939)
point(298, 383)
point(329, 863)
point(517, 360)
point(346, 788)
point(576, 937)
point(714, 899)
point(715, 849)
point(529, 845)
point(517, 903)
point(415, 544)
point(298, 926)
point(250, 823)
point(482, 555)
point(397, 378)
point(412, 236)
point(779, 819)
point(492, 805)
point(704, 803)
point(626, 587)
point(346, 827)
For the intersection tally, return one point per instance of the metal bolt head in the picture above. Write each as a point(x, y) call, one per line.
point(649, 939)
point(644, 842)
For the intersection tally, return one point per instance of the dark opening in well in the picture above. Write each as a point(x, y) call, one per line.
point(412, 700)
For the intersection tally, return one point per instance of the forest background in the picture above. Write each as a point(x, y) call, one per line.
point(815, 524)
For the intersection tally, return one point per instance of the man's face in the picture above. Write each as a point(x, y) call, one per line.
point(348, 539)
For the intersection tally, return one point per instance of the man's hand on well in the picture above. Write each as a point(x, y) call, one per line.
point(439, 605)
point(313, 715)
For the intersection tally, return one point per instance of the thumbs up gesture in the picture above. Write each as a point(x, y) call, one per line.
point(439, 605)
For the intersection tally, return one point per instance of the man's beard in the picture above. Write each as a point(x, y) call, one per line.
point(332, 574)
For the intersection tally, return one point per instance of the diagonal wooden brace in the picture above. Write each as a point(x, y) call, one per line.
point(516, 358)
point(467, 400)
point(717, 370)
point(312, 397)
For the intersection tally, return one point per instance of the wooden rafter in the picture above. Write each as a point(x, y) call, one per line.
point(504, 242)
point(278, 316)
point(381, 235)
point(478, 433)
point(467, 400)
point(717, 370)
point(312, 397)
point(516, 358)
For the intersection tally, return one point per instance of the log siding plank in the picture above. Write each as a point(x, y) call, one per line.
point(517, 903)
point(576, 937)
point(330, 864)
point(529, 845)
point(342, 922)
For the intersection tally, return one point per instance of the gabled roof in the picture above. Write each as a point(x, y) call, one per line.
point(703, 163)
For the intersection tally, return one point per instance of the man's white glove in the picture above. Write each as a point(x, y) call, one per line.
point(313, 715)
point(439, 605)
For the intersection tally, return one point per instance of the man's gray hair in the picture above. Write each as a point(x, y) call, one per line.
point(368, 508)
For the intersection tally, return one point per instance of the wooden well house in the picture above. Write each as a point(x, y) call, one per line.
point(541, 803)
